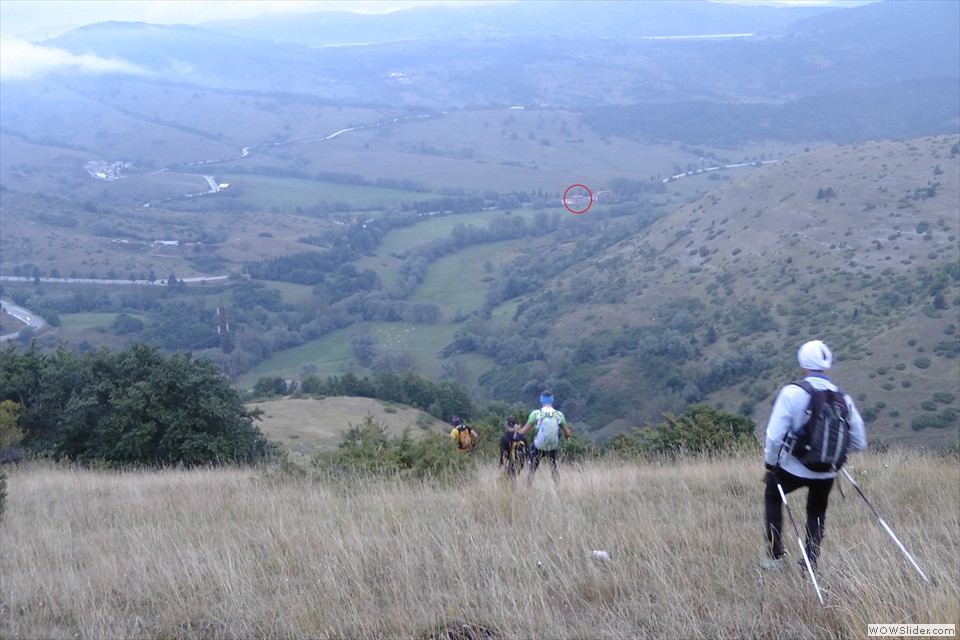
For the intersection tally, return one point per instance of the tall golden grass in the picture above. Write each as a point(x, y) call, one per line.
point(241, 553)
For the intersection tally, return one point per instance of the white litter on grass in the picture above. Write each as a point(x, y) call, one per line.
point(601, 555)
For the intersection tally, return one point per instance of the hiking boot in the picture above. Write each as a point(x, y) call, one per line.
point(772, 564)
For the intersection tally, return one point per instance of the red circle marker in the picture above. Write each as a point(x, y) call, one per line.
point(577, 199)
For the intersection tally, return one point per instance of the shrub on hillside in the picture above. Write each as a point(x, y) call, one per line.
point(699, 429)
point(943, 420)
point(367, 449)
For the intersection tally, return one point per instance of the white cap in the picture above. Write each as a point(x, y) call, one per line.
point(815, 356)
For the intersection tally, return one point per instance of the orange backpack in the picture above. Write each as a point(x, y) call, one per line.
point(464, 440)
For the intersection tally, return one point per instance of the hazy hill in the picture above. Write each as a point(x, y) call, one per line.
point(603, 19)
point(202, 94)
point(606, 61)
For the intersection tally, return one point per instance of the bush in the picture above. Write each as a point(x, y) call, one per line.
point(943, 420)
point(921, 363)
point(367, 449)
point(700, 429)
point(947, 348)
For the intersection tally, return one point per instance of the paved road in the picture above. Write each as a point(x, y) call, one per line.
point(23, 315)
point(160, 282)
point(36, 322)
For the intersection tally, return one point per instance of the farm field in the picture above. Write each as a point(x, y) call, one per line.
point(272, 193)
point(86, 321)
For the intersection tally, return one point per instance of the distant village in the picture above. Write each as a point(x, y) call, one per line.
point(109, 171)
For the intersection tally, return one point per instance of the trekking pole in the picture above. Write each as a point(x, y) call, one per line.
point(803, 549)
point(886, 527)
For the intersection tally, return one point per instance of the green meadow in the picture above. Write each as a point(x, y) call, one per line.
point(398, 242)
point(458, 283)
point(332, 354)
point(422, 341)
point(279, 193)
point(86, 321)
point(291, 293)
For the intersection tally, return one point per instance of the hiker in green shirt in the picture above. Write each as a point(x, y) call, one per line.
point(547, 424)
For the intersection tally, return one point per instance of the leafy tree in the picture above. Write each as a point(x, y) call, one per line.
point(130, 407)
point(125, 323)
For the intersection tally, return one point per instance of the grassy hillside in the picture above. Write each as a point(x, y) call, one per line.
point(241, 553)
point(306, 426)
point(761, 264)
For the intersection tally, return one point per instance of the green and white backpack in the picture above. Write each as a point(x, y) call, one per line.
point(548, 430)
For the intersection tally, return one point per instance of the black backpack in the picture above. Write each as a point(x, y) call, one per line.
point(821, 443)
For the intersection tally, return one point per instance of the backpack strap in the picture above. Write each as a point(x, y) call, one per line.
point(806, 386)
point(803, 384)
point(790, 439)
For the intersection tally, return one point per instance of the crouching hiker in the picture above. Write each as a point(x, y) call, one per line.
point(547, 424)
point(812, 428)
point(513, 449)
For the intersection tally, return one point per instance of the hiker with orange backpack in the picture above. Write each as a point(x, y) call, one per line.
point(465, 437)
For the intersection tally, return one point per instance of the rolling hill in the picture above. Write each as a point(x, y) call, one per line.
point(711, 302)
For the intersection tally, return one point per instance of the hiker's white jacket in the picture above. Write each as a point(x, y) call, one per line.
point(790, 413)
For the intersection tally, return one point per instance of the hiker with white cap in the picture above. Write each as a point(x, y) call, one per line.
point(788, 467)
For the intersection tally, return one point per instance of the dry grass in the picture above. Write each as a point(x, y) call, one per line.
point(236, 554)
point(306, 426)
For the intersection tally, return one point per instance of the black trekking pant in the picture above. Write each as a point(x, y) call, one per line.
point(536, 454)
point(818, 493)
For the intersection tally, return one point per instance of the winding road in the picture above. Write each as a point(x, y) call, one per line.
point(26, 316)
